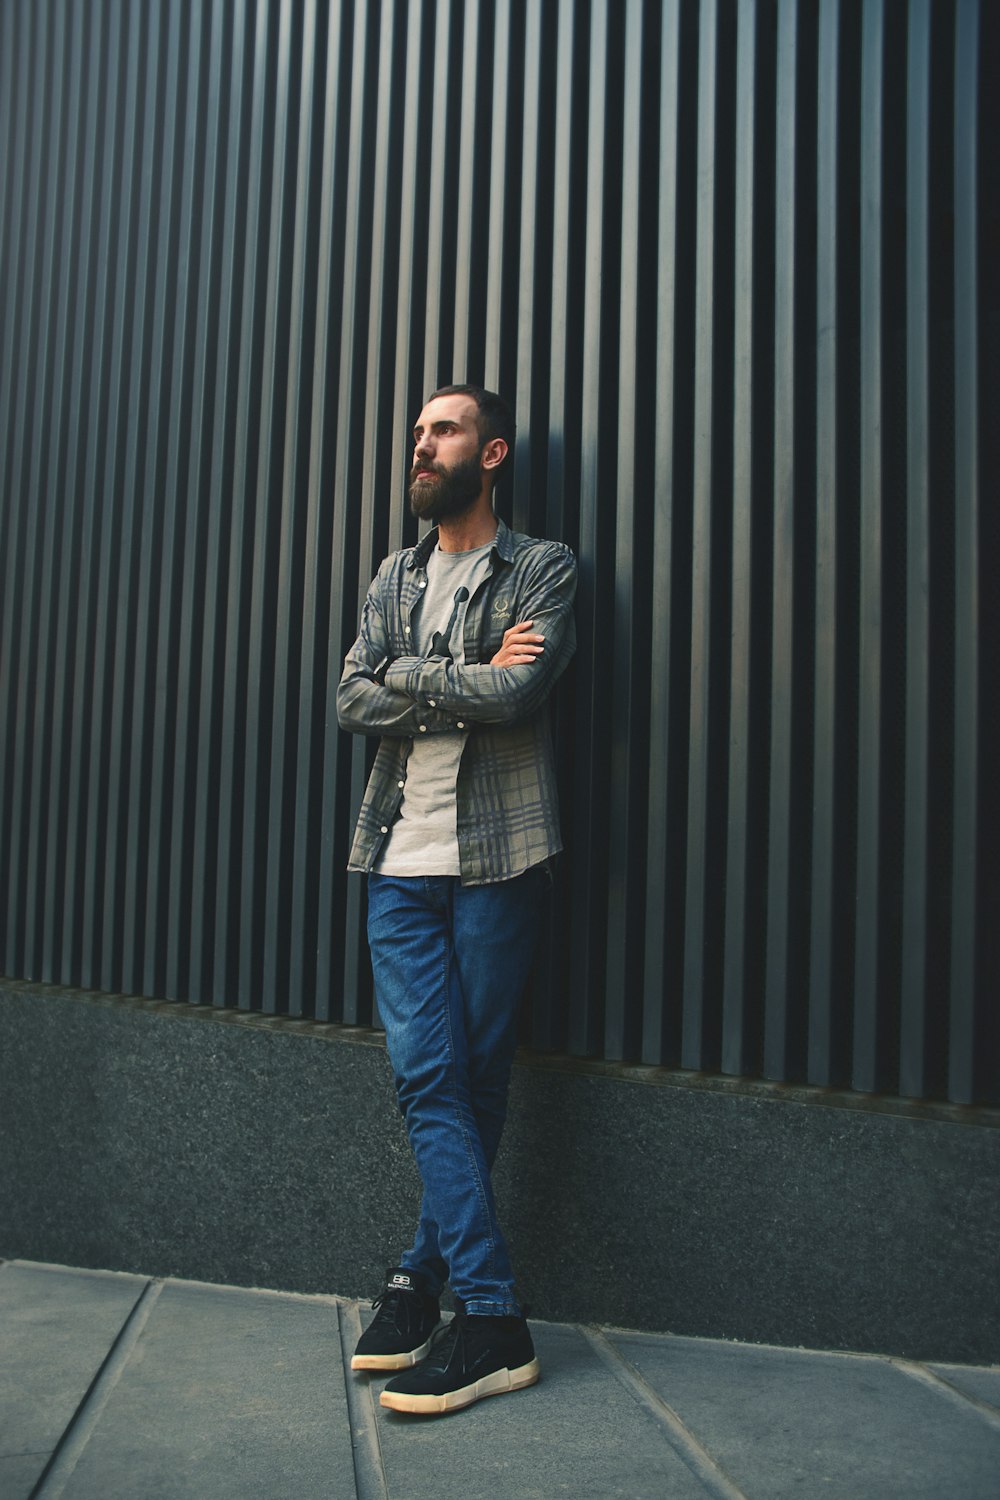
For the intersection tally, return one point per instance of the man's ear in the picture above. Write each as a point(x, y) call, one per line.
point(494, 453)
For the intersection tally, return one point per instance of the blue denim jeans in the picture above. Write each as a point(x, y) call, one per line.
point(450, 964)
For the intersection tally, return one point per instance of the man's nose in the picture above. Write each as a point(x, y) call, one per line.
point(422, 448)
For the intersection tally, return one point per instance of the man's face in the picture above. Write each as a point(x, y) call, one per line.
point(447, 475)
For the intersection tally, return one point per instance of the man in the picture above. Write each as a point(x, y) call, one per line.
point(462, 638)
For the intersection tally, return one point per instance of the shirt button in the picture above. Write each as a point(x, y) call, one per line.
point(432, 703)
point(423, 729)
point(406, 629)
point(400, 783)
point(460, 724)
point(384, 829)
point(423, 583)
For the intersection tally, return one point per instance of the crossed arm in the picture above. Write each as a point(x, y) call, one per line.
point(417, 695)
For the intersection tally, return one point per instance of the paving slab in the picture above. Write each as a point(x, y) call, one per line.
point(19, 1474)
point(226, 1395)
point(58, 1326)
point(786, 1423)
point(578, 1432)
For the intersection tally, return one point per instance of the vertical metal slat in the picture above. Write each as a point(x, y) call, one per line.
point(375, 464)
point(323, 459)
point(8, 175)
point(17, 145)
point(53, 654)
point(661, 928)
point(267, 503)
point(42, 558)
point(695, 1017)
point(630, 671)
point(119, 878)
point(468, 191)
point(530, 147)
point(822, 1030)
point(229, 938)
point(962, 1052)
point(585, 1022)
point(344, 500)
point(434, 177)
point(169, 721)
point(555, 479)
point(287, 620)
point(142, 849)
point(80, 509)
point(89, 708)
point(776, 997)
point(499, 207)
point(913, 1062)
point(866, 1069)
point(97, 967)
point(560, 519)
point(16, 646)
point(185, 893)
point(735, 1057)
point(208, 915)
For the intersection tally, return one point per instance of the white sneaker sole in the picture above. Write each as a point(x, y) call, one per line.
point(491, 1385)
point(402, 1361)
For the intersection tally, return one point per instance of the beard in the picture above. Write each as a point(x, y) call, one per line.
point(452, 493)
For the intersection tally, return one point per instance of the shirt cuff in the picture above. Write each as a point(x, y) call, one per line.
point(403, 676)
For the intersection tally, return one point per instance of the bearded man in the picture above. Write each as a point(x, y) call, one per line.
point(462, 638)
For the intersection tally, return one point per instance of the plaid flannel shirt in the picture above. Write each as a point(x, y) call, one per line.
point(507, 808)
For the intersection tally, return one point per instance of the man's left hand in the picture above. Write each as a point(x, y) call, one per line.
point(520, 647)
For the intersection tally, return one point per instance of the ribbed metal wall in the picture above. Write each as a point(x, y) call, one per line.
point(736, 266)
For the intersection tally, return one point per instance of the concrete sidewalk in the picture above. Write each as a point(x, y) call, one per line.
point(116, 1387)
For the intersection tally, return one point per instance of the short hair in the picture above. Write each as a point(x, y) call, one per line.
point(495, 418)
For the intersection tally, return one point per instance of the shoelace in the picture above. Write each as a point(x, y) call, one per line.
point(454, 1336)
point(460, 1336)
point(395, 1305)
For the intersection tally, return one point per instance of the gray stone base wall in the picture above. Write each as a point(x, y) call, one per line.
point(179, 1141)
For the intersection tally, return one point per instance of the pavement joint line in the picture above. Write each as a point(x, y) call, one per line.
point(681, 1438)
point(68, 1451)
point(325, 1299)
point(366, 1445)
point(945, 1388)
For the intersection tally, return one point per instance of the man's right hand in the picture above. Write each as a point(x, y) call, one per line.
point(520, 646)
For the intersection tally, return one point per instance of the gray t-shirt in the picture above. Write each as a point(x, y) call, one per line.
point(423, 840)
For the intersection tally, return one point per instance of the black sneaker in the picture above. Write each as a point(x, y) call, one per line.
point(406, 1318)
point(474, 1357)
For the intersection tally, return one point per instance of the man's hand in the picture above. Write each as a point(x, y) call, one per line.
point(519, 646)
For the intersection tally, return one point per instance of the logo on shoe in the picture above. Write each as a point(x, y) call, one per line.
point(401, 1281)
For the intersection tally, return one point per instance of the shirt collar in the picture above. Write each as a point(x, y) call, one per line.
point(503, 546)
